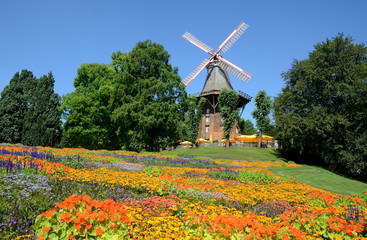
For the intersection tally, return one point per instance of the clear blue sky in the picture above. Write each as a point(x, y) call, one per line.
point(58, 36)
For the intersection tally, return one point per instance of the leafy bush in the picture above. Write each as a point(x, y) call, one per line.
point(248, 175)
point(76, 164)
point(226, 174)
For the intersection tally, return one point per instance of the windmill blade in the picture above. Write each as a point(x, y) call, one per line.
point(233, 37)
point(197, 70)
point(191, 38)
point(234, 70)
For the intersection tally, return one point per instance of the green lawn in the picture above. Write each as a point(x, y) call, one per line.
point(322, 178)
point(311, 175)
point(238, 153)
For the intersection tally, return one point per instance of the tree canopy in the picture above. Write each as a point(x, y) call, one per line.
point(247, 127)
point(133, 103)
point(88, 109)
point(29, 110)
point(261, 113)
point(147, 97)
point(192, 109)
point(42, 123)
point(228, 100)
point(321, 113)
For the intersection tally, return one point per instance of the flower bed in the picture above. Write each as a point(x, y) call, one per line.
point(80, 194)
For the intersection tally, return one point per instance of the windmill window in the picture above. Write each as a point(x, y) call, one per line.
point(207, 119)
point(207, 128)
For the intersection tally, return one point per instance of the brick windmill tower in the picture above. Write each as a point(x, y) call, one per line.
point(210, 127)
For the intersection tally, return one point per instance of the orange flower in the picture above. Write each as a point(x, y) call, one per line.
point(88, 225)
point(65, 217)
point(71, 236)
point(99, 231)
point(77, 226)
point(102, 216)
point(48, 213)
point(114, 225)
point(46, 229)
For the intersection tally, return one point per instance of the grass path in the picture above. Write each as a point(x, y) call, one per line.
point(322, 178)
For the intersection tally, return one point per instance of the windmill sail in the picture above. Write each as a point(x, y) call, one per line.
point(191, 38)
point(225, 46)
point(235, 35)
point(234, 70)
point(197, 70)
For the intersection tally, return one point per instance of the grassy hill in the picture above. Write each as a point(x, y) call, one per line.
point(311, 175)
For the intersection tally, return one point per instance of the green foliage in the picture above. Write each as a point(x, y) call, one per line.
point(76, 164)
point(247, 127)
point(14, 105)
point(30, 111)
point(228, 100)
point(134, 103)
point(147, 97)
point(42, 125)
point(261, 113)
point(224, 175)
point(88, 109)
point(192, 110)
point(256, 177)
point(154, 171)
point(363, 196)
point(320, 114)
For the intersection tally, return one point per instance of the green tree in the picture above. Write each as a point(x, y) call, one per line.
point(192, 112)
point(14, 104)
point(261, 113)
point(247, 127)
point(42, 125)
point(88, 109)
point(147, 99)
point(321, 113)
point(228, 100)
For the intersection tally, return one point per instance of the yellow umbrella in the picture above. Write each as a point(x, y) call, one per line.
point(186, 143)
point(246, 138)
point(201, 140)
point(225, 140)
point(267, 138)
point(239, 138)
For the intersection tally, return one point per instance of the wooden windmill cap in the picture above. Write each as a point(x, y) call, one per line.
point(216, 79)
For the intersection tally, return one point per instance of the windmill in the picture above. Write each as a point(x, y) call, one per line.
point(210, 127)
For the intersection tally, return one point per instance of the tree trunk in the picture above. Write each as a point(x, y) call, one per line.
point(259, 140)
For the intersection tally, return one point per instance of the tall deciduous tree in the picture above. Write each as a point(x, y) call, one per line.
point(148, 91)
point(14, 104)
point(261, 113)
point(228, 100)
point(247, 127)
point(88, 109)
point(192, 112)
point(321, 112)
point(42, 124)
